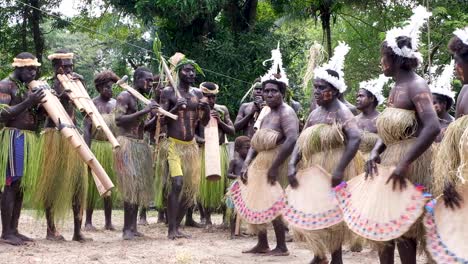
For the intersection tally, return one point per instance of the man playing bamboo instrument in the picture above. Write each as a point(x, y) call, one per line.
point(63, 179)
point(407, 127)
point(178, 155)
point(248, 112)
point(133, 161)
point(18, 165)
point(101, 147)
point(212, 192)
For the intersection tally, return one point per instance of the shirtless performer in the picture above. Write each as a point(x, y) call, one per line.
point(443, 97)
point(19, 113)
point(179, 153)
point(133, 161)
point(101, 147)
point(212, 193)
point(64, 177)
point(413, 122)
point(248, 112)
point(368, 98)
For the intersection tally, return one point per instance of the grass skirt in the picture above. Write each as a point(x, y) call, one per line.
point(133, 166)
point(32, 159)
point(323, 145)
point(190, 162)
point(63, 175)
point(104, 154)
point(448, 158)
point(211, 193)
point(368, 141)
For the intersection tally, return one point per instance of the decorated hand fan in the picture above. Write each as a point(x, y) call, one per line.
point(258, 202)
point(312, 205)
point(447, 231)
point(372, 209)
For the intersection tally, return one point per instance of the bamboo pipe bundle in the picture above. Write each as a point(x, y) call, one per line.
point(63, 121)
point(122, 83)
point(80, 97)
point(97, 115)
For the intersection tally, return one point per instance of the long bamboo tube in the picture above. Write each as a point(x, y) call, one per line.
point(63, 121)
point(122, 83)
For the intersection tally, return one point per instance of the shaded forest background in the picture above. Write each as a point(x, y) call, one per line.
point(228, 38)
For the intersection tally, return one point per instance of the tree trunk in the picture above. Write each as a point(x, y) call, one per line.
point(24, 29)
point(35, 21)
point(250, 14)
point(325, 17)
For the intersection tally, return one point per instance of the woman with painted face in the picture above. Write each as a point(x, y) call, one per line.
point(368, 98)
point(327, 145)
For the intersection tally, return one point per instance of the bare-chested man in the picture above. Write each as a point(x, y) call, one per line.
point(179, 153)
point(19, 114)
point(248, 112)
point(101, 147)
point(414, 126)
point(63, 179)
point(212, 192)
point(133, 161)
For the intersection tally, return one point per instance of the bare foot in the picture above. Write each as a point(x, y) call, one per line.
point(318, 260)
point(143, 222)
point(193, 224)
point(258, 249)
point(172, 235)
point(55, 237)
point(128, 235)
point(24, 238)
point(138, 234)
point(161, 221)
point(89, 228)
point(356, 247)
point(109, 227)
point(182, 235)
point(80, 238)
point(277, 252)
point(13, 240)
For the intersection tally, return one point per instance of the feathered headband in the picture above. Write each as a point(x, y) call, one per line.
point(336, 63)
point(442, 84)
point(276, 68)
point(25, 62)
point(375, 87)
point(462, 34)
point(412, 30)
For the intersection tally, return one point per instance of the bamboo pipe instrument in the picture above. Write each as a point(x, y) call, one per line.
point(63, 121)
point(80, 97)
point(122, 83)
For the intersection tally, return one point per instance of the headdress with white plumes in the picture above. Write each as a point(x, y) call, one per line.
point(276, 68)
point(336, 64)
point(462, 34)
point(316, 53)
point(375, 87)
point(442, 84)
point(412, 30)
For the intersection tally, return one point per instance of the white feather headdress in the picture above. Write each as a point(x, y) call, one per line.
point(442, 84)
point(336, 63)
point(462, 34)
point(412, 30)
point(276, 68)
point(375, 87)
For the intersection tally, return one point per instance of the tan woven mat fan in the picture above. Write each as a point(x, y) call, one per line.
point(447, 230)
point(258, 202)
point(312, 205)
point(373, 210)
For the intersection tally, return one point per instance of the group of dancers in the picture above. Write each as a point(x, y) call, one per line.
point(347, 175)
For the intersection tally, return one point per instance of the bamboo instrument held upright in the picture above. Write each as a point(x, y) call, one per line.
point(212, 154)
point(83, 102)
point(122, 83)
point(64, 123)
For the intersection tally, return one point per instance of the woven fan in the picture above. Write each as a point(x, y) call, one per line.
point(312, 205)
point(373, 210)
point(447, 231)
point(258, 202)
